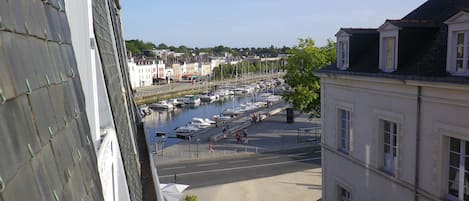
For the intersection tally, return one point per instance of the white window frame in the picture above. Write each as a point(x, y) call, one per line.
point(343, 40)
point(389, 160)
point(387, 30)
point(385, 60)
point(344, 130)
point(459, 23)
point(343, 48)
point(461, 168)
point(348, 193)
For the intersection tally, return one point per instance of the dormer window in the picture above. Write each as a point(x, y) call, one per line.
point(388, 34)
point(389, 54)
point(458, 44)
point(343, 50)
point(462, 55)
point(342, 54)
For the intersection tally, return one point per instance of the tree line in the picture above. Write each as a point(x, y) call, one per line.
point(139, 47)
point(303, 61)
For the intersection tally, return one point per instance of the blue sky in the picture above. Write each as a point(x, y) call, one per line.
point(252, 23)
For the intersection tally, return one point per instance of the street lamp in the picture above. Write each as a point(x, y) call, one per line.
point(162, 141)
point(198, 140)
point(169, 77)
point(189, 142)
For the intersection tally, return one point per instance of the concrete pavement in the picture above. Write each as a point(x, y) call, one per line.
point(269, 135)
point(299, 186)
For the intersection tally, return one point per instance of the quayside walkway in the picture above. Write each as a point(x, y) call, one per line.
point(272, 134)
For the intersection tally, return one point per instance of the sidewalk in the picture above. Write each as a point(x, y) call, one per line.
point(299, 186)
point(269, 135)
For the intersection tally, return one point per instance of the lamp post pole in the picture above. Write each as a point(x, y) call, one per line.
point(163, 140)
point(198, 140)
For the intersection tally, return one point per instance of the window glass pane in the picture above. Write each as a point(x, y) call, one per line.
point(466, 186)
point(452, 174)
point(454, 144)
point(453, 185)
point(386, 126)
point(466, 163)
point(454, 159)
point(459, 52)
point(460, 39)
point(388, 162)
point(344, 194)
point(386, 148)
point(453, 189)
point(389, 53)
point(467, 148)
point(387, 138)
point(394, 151)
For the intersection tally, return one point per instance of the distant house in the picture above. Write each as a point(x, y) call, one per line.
point(395, 108)
point(142, 71)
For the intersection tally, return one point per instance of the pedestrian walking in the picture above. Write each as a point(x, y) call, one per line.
point(245, 135)
point(210, 147)
point(238, 137)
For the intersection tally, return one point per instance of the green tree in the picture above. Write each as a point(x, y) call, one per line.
point(162, 46)
point(131, 47)
point(138, 46)
point(304, 60)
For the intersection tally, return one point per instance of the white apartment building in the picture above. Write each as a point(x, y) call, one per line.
point(142, 72)
point(395, 109)
point(160, 69)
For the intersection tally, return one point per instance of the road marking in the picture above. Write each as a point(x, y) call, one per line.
point(267, 158)
point(206, 164)
point(172, 168)
point(238, 161)
point(239, 168)
point(299, 154)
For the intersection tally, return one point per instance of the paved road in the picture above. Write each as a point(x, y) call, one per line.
point(227, 170)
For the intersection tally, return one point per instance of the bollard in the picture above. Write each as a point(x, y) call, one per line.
point(245, 149)
point(175, 178)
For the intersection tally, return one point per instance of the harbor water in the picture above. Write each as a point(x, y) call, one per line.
point(167, 121)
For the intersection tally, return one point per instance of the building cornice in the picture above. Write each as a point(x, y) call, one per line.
point(451, 82)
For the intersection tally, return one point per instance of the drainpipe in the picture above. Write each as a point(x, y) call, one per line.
point(417, 144)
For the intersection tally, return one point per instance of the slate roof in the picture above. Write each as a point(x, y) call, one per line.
point(359, 30)
point(45, 147)
point(422, 45)
point(413, 23)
